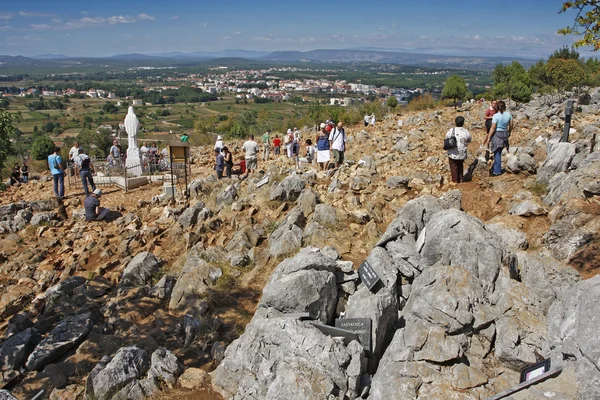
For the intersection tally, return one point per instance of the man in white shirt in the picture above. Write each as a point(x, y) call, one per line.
point(251, 149)
point(337, 142)
point(74, 152)
point(144, 152)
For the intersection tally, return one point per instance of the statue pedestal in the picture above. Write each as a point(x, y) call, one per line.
point(133, 162)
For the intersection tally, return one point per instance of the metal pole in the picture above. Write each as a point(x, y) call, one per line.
point(568, 113)
point(185, 166)
point(172, 184)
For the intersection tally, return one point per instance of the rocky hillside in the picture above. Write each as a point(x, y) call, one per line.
point(477, 280)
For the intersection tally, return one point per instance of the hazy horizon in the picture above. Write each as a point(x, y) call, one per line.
point(465, 28)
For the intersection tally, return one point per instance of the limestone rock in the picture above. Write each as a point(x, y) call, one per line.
point(68, 333)
point(573, 326)
point(140, 269)
point(528, 208)
point(283, 358)
point(288, 189)
point(558, 160)
point(112, 374)
point(510, 237)
point(193, 378)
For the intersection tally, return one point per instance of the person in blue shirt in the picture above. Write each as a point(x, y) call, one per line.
point(502, 126)
point(58, 173)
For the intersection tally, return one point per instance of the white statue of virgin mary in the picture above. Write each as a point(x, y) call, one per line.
point(133, 162)
point(131, 126)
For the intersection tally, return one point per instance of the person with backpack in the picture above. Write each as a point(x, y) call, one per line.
point(58, 173)
point(83, 165)
point(337, 142)
point(457, 155)
point(502, 126)
point(323, 147)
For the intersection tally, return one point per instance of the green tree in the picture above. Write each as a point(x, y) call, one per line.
point(521, 92)
point(586, 23)
point(6, 129)
point(42, 147)
point(392, 102)
point(455, 88)
point(537, 74)
point(565, 74)
point(565, 53)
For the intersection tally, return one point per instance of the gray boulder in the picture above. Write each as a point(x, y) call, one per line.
point(5, 395)
point(573, 326)
point(112, 374)
point(558, 160)
point(189, 217)
point(394, 182)
point(191, 283)
point(67, 334)
point(283, 358)
point(521, 162)
point(511, 238)
point(227, 196)
point(164, 287)
point(307, 201)
point(40, 218)
point(287, 238)
point(528, 208)
point(325, 215)
point(547, 278)
point(164, 367)
point(453, 237)
point(140, 269)
point(303, 283)
point(573, 185)
point(14, 353)
point(288, 189)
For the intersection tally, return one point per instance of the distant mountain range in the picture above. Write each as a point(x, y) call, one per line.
point(359, 55)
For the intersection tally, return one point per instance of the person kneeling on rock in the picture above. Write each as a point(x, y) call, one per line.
point(93, 211)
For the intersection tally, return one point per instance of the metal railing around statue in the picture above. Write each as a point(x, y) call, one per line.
point(110, 172)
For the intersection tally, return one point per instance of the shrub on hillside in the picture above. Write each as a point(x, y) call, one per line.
point(42, 147)
point(422, 102)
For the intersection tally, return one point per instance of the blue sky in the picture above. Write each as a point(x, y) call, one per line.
point(525, 28)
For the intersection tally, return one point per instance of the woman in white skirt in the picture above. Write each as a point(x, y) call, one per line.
point(323, 147)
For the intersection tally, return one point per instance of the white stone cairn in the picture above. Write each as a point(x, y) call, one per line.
point(133, 161)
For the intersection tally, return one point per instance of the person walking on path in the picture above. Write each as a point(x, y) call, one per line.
point(489, 114)
point(219, 163)
point(58, 173)
point(277, 145)
point(93, 211)
point(337, 142)
point(251, 149)
point(457, 155)
point(83, 165)
point(502, 126)
point(266, 137)
point(219, 143)
point(323, 147)
point(228, 161)
point(25, 173)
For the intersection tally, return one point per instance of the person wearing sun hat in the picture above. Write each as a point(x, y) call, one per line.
point(219, 144)
point(93, 211)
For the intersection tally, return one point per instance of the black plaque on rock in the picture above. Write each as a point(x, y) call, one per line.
point(336, 332)
point(360, 326)
point(368, 276)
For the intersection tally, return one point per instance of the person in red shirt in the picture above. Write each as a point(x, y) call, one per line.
point(277, 145)
point(489, 114)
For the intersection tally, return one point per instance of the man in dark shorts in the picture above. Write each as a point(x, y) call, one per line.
point(93, 211)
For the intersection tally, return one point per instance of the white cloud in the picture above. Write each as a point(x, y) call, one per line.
point(56, 20)
point(237, 33)
point(381, 29)
point(174, 17)
point(205, 24)
point(6, 28)
point(21, 40)
point(6, 15)
point(143, 17)
point(84, 13)
point(120, 19)
point(34, 14)
point(394, 24)
point(40, 26)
